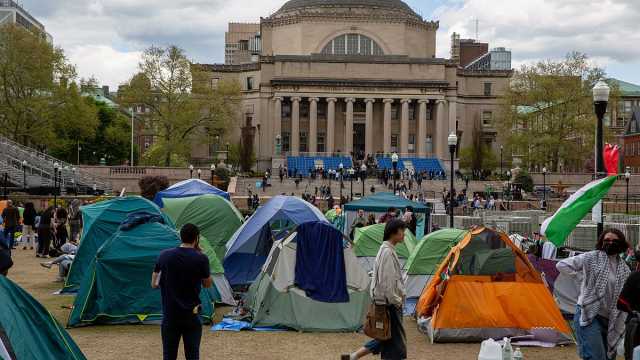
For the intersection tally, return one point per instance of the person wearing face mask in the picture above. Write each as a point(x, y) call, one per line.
point(599, 324)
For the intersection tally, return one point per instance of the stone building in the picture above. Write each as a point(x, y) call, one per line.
point(358, 77)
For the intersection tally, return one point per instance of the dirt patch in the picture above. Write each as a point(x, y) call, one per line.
point(143, 342)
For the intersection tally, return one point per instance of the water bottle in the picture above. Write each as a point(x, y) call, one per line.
point(517, 355)
point(507, 350)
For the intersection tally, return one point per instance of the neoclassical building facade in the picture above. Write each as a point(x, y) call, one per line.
point(357, 77)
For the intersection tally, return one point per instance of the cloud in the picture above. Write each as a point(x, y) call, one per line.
point(103, 36)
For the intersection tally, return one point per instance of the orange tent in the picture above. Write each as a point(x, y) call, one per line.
point(487, 288)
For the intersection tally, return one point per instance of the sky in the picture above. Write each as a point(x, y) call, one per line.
point(104, 38)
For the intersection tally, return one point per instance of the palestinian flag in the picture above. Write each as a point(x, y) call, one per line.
point(557, 227)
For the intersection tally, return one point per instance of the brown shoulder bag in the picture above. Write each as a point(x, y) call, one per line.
point(377, 324)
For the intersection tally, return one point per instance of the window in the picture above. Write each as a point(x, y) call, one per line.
point(394, 111)
point(352, 44)
point(394, 141)
point(304, 141)
point(250, 85)
point(487, 89)
point(412, 143)
point(304, 109)
point(286, 110)
point(286, 144)
point(487, 118)
point(322, 110)
point(429, 145)
point(412, 112)
point(321, 143)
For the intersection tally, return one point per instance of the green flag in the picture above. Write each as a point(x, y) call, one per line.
point(557, 227)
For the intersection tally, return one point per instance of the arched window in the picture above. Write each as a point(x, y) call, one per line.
point(352, 44)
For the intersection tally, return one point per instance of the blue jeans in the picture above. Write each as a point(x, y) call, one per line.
point(189, 329)
point(592, 339)
point(9, 236)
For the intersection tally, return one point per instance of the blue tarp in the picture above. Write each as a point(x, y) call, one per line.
point(320, 269)
point(186, 188)
point(248, 248)
point(236, 325)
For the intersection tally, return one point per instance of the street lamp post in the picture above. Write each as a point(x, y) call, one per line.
point(341, 167)
point(190, 171)
point(394, 164)
point(453, 143)
point(75, 181)
point(330, 172)
point(132, 117)
point(352, 172)
point(24, 176)
point(501, 167)
point(627, 177)
point(363, 177)
point(56, 166)
point(544, 188)
point(600, 101)
point(510, 197)
point(213, 170)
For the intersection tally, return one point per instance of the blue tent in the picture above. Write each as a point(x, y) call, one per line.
point(186, 188)
point(248, 248)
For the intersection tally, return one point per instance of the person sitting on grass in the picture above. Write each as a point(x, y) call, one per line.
point(63, 261)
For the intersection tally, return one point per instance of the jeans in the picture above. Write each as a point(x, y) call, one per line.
point(188, 328)
point(592, 339)
point(9, 236)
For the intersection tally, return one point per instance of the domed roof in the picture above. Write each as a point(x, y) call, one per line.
point(381, 4)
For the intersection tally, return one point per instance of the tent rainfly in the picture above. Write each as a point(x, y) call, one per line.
point(187, 188)
point(367, 242)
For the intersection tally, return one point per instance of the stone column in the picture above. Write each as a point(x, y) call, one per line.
point(348, 131)
point(277, 123)
point(404, 127)
point(422, 129)
point(331, 124)
point(368, 130)
point(453, 115)
point(440, 137)
point(387, 125)
point(313, 125)
point(295, 126)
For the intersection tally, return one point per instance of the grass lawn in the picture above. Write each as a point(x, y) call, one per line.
point(143, 342)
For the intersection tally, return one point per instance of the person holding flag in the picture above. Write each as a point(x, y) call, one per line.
point(599, 324)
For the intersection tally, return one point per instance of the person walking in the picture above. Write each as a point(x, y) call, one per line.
point(410, 219)
point(599, 324)
point(629, 302)
point(28, 225)
point(45, 232)
point(388, 288)
point(11, 220)
point(180, 273)
point(75, 219)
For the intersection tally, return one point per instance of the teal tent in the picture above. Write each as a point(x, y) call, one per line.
point(29, 331)
point(379, 203)
point(117, 289)
point(100, 221)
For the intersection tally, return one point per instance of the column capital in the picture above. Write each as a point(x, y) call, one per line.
point(277, 98)
point(296, 98)
point(369, 100)
point(441, 101)
point(388, 101)
point(408, 101)
point(350, 100)
point(314, 99)
point(332, 99)
point(423, 101)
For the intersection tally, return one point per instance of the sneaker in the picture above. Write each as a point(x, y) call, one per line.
point(46, 265)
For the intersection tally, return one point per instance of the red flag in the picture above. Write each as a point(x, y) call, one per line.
point(611, 158)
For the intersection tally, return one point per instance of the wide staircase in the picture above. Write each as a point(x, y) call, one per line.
point(305, 163)
point(38, 169)
point(417, 164)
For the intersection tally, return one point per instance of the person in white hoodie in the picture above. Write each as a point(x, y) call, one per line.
point(388, 288)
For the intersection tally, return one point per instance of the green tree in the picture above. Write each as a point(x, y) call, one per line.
point(40, 104)
point(478, 156)
point(112, 139)
point(547, 117)
point(183, 104)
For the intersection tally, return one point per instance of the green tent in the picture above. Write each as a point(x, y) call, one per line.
point(274, 300)
point(427, 256)
point(368, 239)
point(29, 331)
point(216, 218)
point(117, 290)
point(100, 221)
